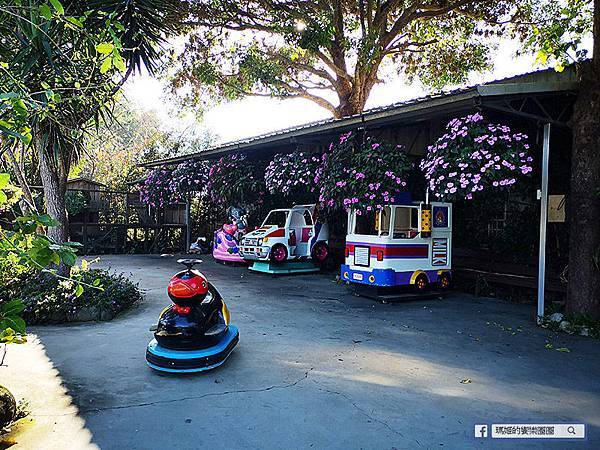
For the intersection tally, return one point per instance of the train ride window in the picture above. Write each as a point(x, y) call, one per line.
point(406, 222)
point(277, 218)
point(373, 223)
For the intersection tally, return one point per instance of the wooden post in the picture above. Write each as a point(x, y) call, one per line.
point(85, 232)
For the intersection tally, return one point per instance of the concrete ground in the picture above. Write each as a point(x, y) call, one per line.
point(315, 368)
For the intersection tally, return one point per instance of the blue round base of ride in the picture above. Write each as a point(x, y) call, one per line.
point(189, 361)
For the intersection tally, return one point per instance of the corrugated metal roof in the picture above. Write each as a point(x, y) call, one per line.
point(547, 80)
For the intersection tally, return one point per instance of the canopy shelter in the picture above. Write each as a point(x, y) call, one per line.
point(539, 101)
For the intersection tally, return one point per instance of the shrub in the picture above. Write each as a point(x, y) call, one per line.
point(48, 299)
point(76, 202)
point(189, 177)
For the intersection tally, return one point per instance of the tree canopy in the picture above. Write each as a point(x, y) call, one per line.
point(334, 52)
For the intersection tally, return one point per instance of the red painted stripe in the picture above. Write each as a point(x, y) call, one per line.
point(412, 251)
point(280, 232)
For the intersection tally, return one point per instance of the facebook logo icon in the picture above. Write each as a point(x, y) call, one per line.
point(481, 431)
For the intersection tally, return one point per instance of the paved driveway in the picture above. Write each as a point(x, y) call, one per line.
point(319, 368)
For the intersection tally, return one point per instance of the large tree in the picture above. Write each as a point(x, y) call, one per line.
point(559, 35)
point(115, 150)
point(69, 59)
point(333, 52)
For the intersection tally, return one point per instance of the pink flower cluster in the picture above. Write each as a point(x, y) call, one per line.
point(286, 173)
point(472, 156)
point(167, 186)
point(361, 174)
point(235, 179)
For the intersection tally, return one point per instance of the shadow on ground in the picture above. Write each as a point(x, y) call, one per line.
point(319, 368)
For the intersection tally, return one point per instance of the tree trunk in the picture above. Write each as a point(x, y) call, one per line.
point(54, 172)
point(584, 247)
point(348, 107)
point(55, 190)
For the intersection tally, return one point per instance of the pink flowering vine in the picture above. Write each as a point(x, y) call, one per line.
point(361, 174)
point(474, 155)
point(292, 173)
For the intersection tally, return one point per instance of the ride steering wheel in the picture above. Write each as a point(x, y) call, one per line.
point(189, 263)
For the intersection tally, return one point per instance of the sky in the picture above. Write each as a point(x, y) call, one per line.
point(258, 115)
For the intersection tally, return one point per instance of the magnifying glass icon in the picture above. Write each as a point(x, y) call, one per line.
point(571, 430)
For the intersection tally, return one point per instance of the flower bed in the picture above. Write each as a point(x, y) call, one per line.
point(48, 299)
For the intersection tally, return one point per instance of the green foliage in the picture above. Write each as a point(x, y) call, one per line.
point(557, 30)
point(76, 202)
point(114, 151)
point(237, 180)
point(22, 249)
point(12, 326)
point(304, 49)
point(45, 298)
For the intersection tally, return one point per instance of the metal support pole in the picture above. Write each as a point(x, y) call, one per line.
point(188, 228)
point(543, 221)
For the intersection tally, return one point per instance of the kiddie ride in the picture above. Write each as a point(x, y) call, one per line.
point(194, 333)
point(288, 241)
point(398, 247)
point(226, 239)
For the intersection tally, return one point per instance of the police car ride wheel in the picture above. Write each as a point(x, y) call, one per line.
point(279, 253)
point(320, 251)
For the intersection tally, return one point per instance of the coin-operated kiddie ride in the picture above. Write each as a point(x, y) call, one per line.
point(399, 246)
point(194, 333)
point(289, 241)
point(226, 239)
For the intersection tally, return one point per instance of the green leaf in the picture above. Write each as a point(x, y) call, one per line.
point(12, 308)
point(45, 12)
point(68, 257)
point(78, 290)
point(3, 198)
point(14, 322)
point(58, 7)
point(96, 282)
point(105, 48)
point(75, 21)
point(119, 63)
point(106, 65)
point(46, 220)
point(7, 95)
point(55, 258)
point(563, 350)
point(4, 180)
